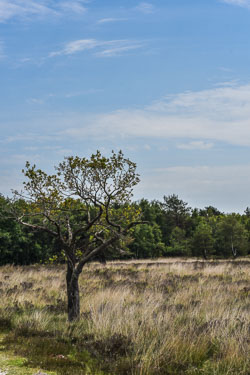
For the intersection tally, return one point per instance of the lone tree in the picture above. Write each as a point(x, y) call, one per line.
point(84, 206)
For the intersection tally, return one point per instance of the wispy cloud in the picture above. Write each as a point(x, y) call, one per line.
point(45, 98)
point(56, 149)
point(195, 145)
point(109, 20)
point(100, 48)
point(16, 8)
point(80, 93)
point(241, 3)
point(76, 46)
point(146, 8)
point(28, 8)
point(218, 114)
point(118, 50)
point(72, 6)
point(225, 69)
point(35, 101)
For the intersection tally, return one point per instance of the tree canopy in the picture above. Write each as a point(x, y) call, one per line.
point(84, 206)
point(76, 213)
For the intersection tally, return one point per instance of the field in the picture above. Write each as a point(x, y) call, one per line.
point(172, 316)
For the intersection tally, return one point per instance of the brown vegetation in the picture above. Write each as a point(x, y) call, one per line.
point(141, 318)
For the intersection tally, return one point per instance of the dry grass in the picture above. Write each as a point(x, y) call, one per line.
point(137, 317)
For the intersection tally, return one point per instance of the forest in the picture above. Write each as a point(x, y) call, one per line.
point(127, 313)
point(171, 228)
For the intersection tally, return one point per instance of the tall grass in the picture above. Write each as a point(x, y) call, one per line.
point(139, 318)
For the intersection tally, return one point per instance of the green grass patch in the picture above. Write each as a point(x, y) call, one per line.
point(14, 364)
point(58, 356)
point(166, 319)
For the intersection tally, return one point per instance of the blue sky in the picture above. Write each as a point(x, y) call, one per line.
point(166, 81)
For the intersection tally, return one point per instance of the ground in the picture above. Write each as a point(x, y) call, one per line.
point(165, 317)
point(11, 364)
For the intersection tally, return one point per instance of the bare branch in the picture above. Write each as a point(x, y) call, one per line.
point(88, 226)
point(37, 227)
point(94, 252)
point(107, 216)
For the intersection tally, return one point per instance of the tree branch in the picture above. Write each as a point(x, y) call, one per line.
point(34, 226)
point(90, 224)
point(107, 216)
point(92, 253)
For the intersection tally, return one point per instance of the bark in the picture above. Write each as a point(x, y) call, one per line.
point(72, 293)
point(205, 252)
point(234, 251)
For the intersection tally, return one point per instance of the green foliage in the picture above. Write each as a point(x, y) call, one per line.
point(84, 207)
point(179, 245)
point(54, 355)
point(17, 244)
point(176, 213)
point(147, 242)
point(231, 236)
point(202, 242)
point(172, 229)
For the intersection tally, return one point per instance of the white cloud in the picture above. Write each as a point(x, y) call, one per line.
point(32, 137)
point(72, 6)
point(28, 8)
point(225, 69)
point(35, 101)
point(117, 50)
point(242, 3)
point(218, 114)
point(23, 8)
point(101, 48)
point(147, 147)
point(195, 120)
point(80, 93)
point(25, 60)
point(108, 20)
point(195, 145)
point(145, 8)
point(76, 46)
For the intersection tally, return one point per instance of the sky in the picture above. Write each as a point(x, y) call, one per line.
point(166, 81)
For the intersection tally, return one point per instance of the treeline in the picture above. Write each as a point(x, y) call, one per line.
point(172, 229)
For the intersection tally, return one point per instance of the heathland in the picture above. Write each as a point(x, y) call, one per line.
point(171, 316)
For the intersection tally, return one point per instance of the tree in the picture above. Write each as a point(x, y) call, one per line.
point(151, 211)
point(78, 207)
point(210, 211)
point(247, 212)
point(202, 241)
point(176, 214)
point(147, 242)
point(231, 236)
point(179, 245)
point(18, 245)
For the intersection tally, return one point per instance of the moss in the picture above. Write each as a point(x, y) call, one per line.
point(13, 364)
point(52, 354)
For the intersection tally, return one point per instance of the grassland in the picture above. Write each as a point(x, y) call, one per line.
point(141, 318)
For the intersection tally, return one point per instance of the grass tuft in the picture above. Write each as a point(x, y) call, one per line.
point(141, 318)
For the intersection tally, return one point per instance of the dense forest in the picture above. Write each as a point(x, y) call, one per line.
point(172, 229)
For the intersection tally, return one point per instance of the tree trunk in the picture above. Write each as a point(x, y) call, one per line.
point(205, 252)
point(234, 251)
point(73, 294)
